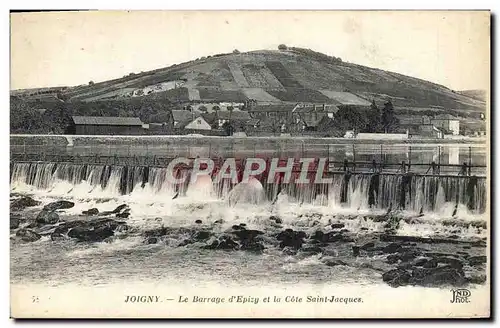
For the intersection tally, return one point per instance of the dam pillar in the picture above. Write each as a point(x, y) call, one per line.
point(124, 180)
point(405, 190)
point(471, 192)
point(345, 187)
point(145, 176)
point(373, 189)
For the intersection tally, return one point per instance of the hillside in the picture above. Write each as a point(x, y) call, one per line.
point(475, 94)
point(291, 75)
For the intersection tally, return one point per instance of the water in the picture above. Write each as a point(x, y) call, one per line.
point(152, 201)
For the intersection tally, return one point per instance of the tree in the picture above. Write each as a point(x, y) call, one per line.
point(203, 109)
point(228, 128)
point(350, 118)
point(230, 110)
point(374, 119)
point(91, 82)
point(282, 47)
point(389, 119)
point(236, 51)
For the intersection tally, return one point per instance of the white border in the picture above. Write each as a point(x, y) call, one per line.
point(210, 5)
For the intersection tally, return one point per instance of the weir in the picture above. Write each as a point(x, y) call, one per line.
point(408, 191)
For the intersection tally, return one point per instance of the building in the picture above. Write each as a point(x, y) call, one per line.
point(235, 117)
point(105, 125)
point(449, 123)
point(182, 116)
point(419, 126)
point(198, 123)
point(292, 117)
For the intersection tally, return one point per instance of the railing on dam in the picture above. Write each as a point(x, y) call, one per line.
point(332, 166)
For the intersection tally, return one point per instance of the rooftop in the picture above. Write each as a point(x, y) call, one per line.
point(106, 120)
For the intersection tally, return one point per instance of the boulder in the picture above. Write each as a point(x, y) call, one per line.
point(151, 240)
point(355, 251)
point(47, 217)
point(291, 238)
point(420, 262)
point(22, 203)
point(392, 258)
point(477, 279)
point(14, 222)
point(201, 235)
point(198, 222)
point(27, 235)
point(439, 276)
point(156, 232)
point(477, 260)
point(332, 263)
point(223, 242)
point(123, 215)
point(452, 262)
point(58, 205)
point(337, 225)
point(91, 235)
point(396, 277)
point(368, 246)
point(433, 263)
point(92, 211)
point(330, 237)
point(276, 219)
point(249, 240)
point(119, 208)
point(55, 236)
point(392, 248)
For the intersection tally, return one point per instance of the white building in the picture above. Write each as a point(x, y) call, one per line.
point(449, 123)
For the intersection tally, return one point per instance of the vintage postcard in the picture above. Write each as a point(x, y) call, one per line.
point(250, 164)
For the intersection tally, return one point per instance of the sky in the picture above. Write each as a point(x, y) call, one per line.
point(451, 48)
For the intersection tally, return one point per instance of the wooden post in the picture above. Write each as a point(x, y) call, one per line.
point(409, 160)
point(470, 159)
point(353, 158)
point(439, 160)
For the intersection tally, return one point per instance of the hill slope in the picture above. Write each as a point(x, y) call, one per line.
point(292, 75)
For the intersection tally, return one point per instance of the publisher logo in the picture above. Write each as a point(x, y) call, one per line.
point(460, 296)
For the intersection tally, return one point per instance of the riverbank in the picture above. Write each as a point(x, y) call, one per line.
point(199, 140)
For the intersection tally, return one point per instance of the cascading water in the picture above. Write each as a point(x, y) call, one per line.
point(355, 191)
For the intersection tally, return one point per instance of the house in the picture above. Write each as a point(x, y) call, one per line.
point(448, 123)
point(419, 126)
point(235, 117)
point(182, 116)
point(198, 123)
point(105, 125)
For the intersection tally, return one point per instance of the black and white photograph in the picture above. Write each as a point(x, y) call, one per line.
point(250, 164)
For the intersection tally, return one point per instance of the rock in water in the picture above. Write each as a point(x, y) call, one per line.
point(46, 217)
point(92, 211)
point(440, 276)
point(55, 236)
point(291, 238)
point(396, 277)
point(91, 235)
point(119, 208)
point(477, 260)
point(14, 222)
point(28, 235)
point(23, 202)
point(58, 205)
point(123, 215)
point(223, 242)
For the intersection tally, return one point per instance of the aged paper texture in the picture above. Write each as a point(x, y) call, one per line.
point(250, 164)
